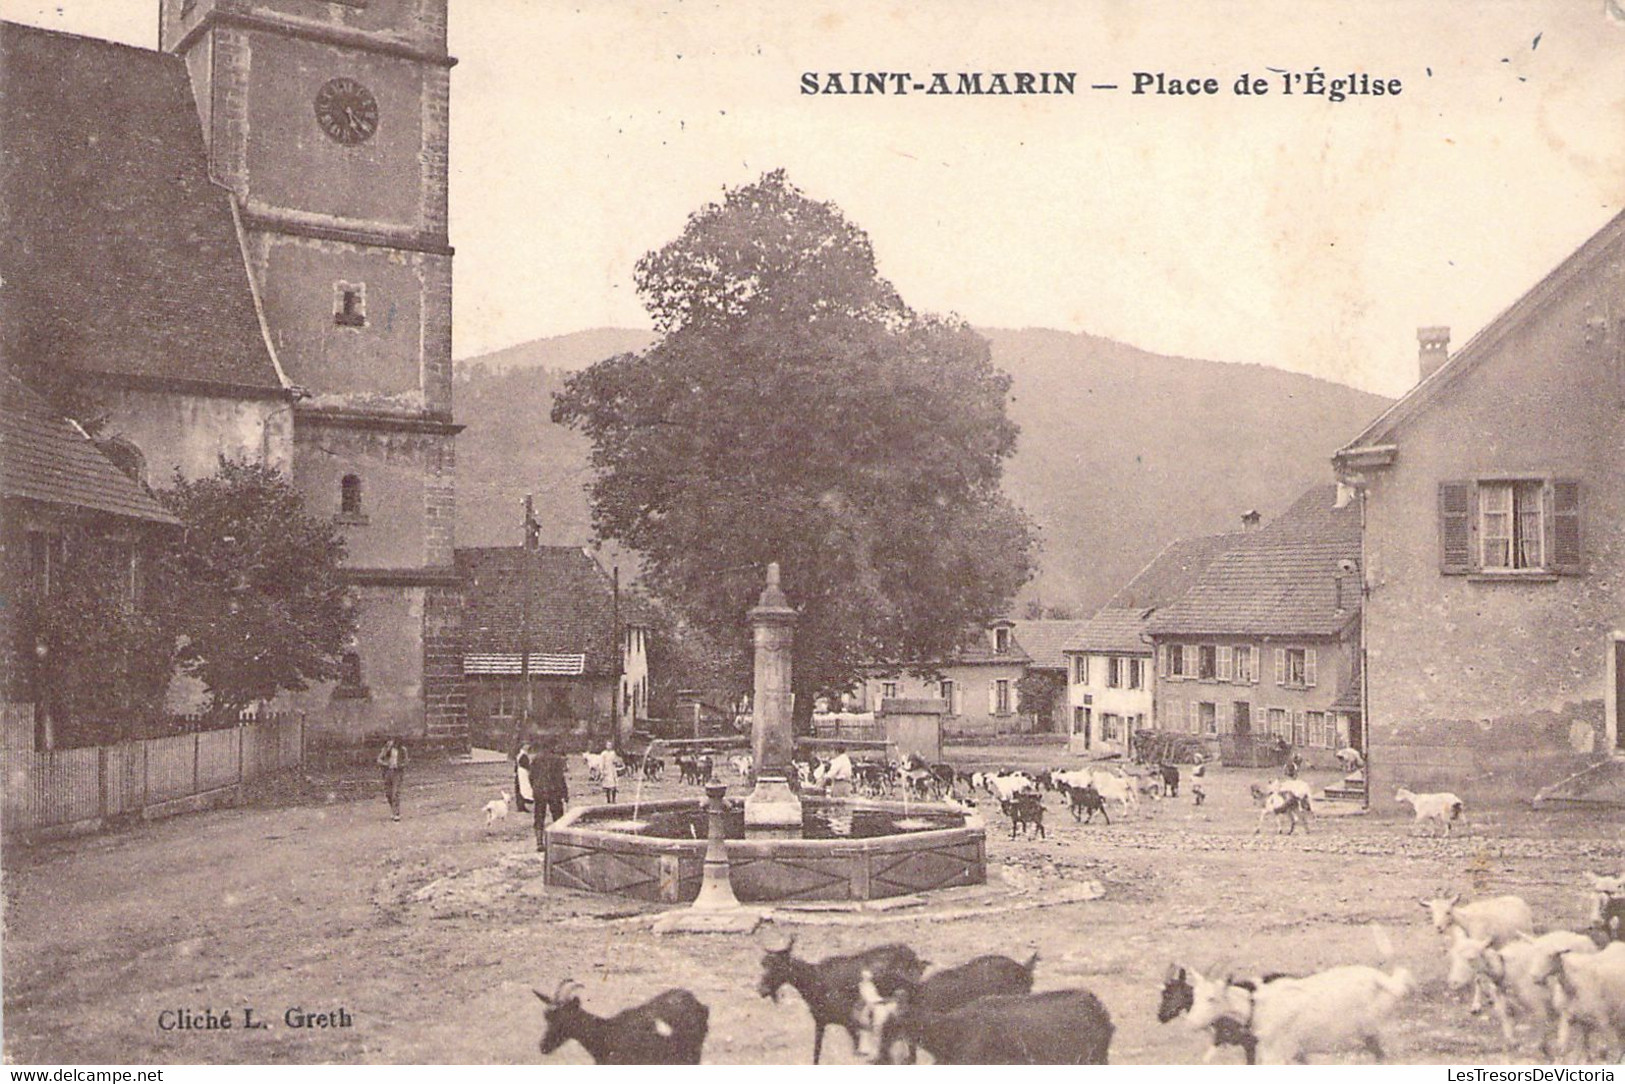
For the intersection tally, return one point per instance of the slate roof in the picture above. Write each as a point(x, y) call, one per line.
point(44, 457)
point(1045, 640)
point(1281, 580)
point(1174, 571)
point(119, 255)
point(1112, 632)
point(571, 604)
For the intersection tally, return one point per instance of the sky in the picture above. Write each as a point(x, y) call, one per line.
point(1287, 230)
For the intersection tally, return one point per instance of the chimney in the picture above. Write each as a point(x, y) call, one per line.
point(1250, 520)
point(1433, 348)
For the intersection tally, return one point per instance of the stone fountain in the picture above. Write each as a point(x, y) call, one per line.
point(774, 845)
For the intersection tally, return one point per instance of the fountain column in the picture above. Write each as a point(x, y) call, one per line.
point(772, 804)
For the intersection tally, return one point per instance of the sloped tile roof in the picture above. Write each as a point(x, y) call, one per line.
point(1174, 571)
point(44, 457)
point(120, 256)
point(571, 609)
point(978, 648)
point(1282, 580)
point(1112, 632)
point(1045, 640)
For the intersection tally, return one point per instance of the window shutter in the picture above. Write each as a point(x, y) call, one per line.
point(1015, 698)
point(1563, 545)
point(1162, 660)
point(1190, 660)
point(993, 698)
point(1456, 528)
point(1309, 666)
point(1280, 666)
point(1221, 716)
point(1226, 663)
point(957, 704)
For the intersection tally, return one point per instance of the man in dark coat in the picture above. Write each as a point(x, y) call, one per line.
point(548, 788)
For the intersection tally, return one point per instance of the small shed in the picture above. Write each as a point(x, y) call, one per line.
point(914, 726)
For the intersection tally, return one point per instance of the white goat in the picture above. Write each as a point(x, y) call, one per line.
point(1114, 787)
point(1281, 804)
point(742, 763)
point(1516, 975)
point(497, 808)
point(1329, 1010)
point(1443, 807)
point(1589, 991)
point(1008, 785)
point(1497, 919)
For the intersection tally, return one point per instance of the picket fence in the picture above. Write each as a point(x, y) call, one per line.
point(61, 791)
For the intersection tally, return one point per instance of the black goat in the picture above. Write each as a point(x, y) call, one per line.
point(653, 769)
point(669, 1029)
point(1026, 812)
point(1610, 924)
point(1085, 799)
point(1178, 996)
point(944, 991)
point(830, 986)
point(1058, 1027)
point(1170, 780)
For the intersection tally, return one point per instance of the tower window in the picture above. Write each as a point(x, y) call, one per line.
point(350, 508)
point(350, 304)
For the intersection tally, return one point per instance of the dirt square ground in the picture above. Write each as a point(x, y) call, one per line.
point(430, 933)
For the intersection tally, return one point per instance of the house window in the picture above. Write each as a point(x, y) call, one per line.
point(1110, 727)
point(1510, 525)
point(945, 689)
point(1001, 640)
point(1317, 729)
point(1295, 667)
point(350, 495)
point(1080, 721)
point(1136, 673)
point(1207, 662)
point(351, 685)
point(44, 554)
point(1280, 725)
point(1244, 664)
point(1502, 526)
point(1176, 660)
point(350, 304)
point(1114, 672)
point(1001, 697)
point(1080, 669)
point(1207, 715)
point(888, 690)
point(507, 700)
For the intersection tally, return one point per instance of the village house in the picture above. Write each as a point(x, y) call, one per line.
point(1109, 674)
point(588, 651)
point(1045, 641)
point(978, 685)
point(1494, 506)
point(58, 492)
point(228, 261)
point(1265, 644)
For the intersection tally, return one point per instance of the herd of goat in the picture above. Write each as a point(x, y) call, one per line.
point(985, 1012)
point(1085, 791)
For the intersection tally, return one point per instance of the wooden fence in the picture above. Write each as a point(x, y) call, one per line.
point(63, 791)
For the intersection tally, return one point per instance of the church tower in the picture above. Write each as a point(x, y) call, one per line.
point(328, 119)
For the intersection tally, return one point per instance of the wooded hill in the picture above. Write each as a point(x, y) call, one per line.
point(1121, 450)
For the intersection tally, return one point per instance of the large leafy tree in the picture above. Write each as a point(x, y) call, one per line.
point(255, 586)
point(794, 409)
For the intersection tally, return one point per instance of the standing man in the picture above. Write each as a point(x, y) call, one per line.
point(548, 788)
point(392, 761)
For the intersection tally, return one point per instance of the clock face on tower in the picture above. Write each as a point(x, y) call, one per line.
point(347, 111)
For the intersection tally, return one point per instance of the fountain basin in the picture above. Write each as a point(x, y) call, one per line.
point(920, 846)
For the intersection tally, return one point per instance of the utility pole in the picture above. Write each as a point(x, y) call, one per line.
point(527, 557)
